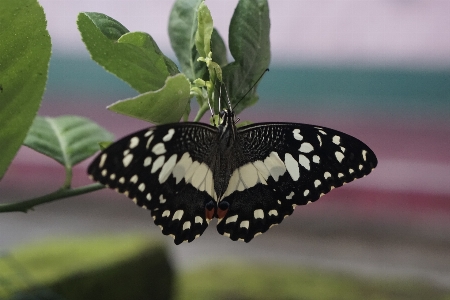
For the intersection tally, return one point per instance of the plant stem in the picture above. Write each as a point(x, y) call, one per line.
point(201, 112)
point(62, 193)
point(68, 180)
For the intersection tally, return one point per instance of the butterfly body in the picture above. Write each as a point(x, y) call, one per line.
point(249, 178)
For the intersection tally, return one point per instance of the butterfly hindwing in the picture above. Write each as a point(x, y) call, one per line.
point(282, 165)
point(164, 169)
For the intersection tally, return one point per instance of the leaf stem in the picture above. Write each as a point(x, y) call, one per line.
point(62, 193)
point(68, 180)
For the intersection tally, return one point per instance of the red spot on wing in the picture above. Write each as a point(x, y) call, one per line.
point(209, 213)
point(221, 213)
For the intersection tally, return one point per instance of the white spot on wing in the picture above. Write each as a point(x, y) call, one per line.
point(304, 161)
point(134, 141)
point(104, 155)
point(104, 172)
point(166, 213)
point(327, 175)
point(149, 141)
point(322, 132)
point(181, 167)
point(297, 134)
point(320, 140)
point(316, 159)
point(340, 175)
point(275, 165)
point(292, 166)
point(306, 193)
point(159, 149)
point(127, 160)
point(273, 212)
point(178, 215)
point(258, 214)
point(186, 225)
point(149, 197)
point(122, 180)
point(289, 197)
point(148, 133)
point(198, 220)
point(263, 172)
point(364, 152)
point(248, 175)
point(169, 135)
point(157, 164)
point(134, 179)
point(141, 187)
point(306, 147)
point(231, 219)
point(167, 168)
point(245, 224)
point(162, 200)
point(317, 182)
point(112, 176)
point(147, 161)
point(339, 156)
point(336, 140)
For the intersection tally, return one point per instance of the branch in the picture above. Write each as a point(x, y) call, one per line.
point(62, 193)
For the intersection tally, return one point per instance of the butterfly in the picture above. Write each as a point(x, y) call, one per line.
point(249, 178)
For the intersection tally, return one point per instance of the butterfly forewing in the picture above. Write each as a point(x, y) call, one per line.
point(164, 169)
point(282, 165)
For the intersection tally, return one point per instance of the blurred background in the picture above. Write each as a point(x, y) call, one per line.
point(378, 70)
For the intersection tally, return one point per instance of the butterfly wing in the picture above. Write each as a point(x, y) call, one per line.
point(164, 169)
point(283, 165)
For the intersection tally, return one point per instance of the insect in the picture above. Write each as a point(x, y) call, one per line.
point(249, 178)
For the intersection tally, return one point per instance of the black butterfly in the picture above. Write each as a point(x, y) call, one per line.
point(249, 178)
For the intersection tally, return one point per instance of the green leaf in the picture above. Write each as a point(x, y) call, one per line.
point(218, 48)
point(110, 28)
point(67, 139)
point(135, 57)
point(250, 46)
point(144, 40)
point(25, 49)
point(165, 105)
point(182, 28)
point(204, 30)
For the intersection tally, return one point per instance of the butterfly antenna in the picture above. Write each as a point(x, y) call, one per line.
point(228, 98)
point(256, 82)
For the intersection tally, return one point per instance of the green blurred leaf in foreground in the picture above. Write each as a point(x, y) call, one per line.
point(67, 139)
point(266, 281)
point(96, 267)
point(25, 49)
point(165, 105)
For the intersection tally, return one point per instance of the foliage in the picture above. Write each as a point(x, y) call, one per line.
point(165, 92)
point(94, 267)
point(24, 56)
point(238, 280)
